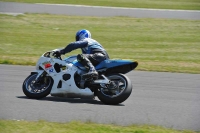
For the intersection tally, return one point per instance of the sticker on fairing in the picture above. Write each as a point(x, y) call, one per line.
point(51, 70)
point(48, 65)
point(46, 62)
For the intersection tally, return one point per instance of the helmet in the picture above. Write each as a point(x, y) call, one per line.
point(81, 34)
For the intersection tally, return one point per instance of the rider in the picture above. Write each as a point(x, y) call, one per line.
point(92, 52)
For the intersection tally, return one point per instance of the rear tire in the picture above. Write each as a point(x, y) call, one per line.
point(39, 90)
point(122, 92)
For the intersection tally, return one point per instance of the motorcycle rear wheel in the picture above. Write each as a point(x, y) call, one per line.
point(118, 95)
point(37, 90)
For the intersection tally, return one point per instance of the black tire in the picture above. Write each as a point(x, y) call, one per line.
point(30, 92)
point(118, 98)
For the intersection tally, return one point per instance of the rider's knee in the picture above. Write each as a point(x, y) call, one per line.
point(80, 57)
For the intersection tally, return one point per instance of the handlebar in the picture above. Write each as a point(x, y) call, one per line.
point(49, 54)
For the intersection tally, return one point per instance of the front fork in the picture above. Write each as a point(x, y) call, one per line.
point(40, 76)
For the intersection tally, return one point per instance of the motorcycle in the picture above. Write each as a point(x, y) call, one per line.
point(63, 78)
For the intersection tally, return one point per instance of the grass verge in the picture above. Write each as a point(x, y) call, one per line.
point(11, 126)
point(158, 4)
point(157, 44)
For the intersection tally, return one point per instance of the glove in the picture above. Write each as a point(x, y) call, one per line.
point(57, 54)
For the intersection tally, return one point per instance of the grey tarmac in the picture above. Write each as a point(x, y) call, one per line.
point(168, 99)
point(12, 7)
point(159, 98)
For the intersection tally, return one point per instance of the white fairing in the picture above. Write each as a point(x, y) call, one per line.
point(68, 87)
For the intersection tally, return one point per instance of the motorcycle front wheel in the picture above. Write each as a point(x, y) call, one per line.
point(37, 90)
point(118, 94)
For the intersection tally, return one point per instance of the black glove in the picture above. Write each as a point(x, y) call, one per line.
point(57, 54)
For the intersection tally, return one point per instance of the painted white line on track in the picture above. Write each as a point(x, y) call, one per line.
point(12, 13)
point(125, 8)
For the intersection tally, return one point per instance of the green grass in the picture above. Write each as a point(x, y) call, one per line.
point(157, 44)
point(158, 4)
point(8, 126)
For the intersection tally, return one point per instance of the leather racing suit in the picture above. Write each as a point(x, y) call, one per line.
point(92, 54)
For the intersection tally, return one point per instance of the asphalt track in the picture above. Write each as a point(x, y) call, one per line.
point(167, 99)
point(159, 98)
point(11, 7)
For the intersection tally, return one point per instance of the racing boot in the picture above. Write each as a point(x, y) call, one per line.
point(92, 73)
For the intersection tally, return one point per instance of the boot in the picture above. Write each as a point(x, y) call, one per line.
point(92, 73)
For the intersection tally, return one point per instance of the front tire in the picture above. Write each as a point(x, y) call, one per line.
point(37, 90)
point(118, 95)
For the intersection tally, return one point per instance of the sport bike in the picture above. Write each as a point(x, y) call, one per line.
point(63, 78)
